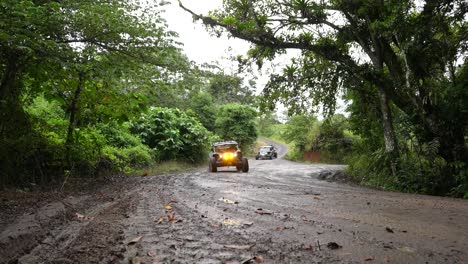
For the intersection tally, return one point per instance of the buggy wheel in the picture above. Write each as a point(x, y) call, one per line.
point(245, 165)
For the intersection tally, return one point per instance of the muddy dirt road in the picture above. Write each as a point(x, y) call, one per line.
point(278, 212)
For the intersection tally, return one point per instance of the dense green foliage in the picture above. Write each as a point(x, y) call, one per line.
point(400, 64)
point(204, 109)
point(63, 66)
point(229, 89)
point(331, 138)
point(101, 148)
point(265, 124)
point(75, 74)
point(237, 122)
point(173, 134)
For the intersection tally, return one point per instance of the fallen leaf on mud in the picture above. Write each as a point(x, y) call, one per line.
point(281, 228)
point(262, 212)
point(309, 247)
point(258, 259)
point(151, 253)
point(227, 201)
point(240, 247)
point(407, 250)
point(316, 198)
point(172, 201)
point(135, 240)
point(79, 216)
point(171, 217)
point(168, 207)
point(389, 229)
point(333, 245)
point(230, 222)
point(369, 259)
point(254, 260)
point(159, 221)
point(248, 223)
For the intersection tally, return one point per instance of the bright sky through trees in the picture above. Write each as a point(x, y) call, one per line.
point(198, 44)
point(202, 47)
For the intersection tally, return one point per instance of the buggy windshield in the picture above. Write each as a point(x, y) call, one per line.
point(265, 149)
point(226, 148)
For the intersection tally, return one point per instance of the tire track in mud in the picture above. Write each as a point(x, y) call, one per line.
point(67, 231)
point(190, 238)
point(208, 232)
point(95, 238)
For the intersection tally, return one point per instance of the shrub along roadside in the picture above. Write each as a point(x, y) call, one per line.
point(173, 135)
point(40, 155)
point(305, 133)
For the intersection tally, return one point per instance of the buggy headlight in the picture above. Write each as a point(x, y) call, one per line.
point(228, 156)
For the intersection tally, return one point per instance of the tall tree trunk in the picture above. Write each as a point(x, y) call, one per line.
point(72, 118)
point(391, 145)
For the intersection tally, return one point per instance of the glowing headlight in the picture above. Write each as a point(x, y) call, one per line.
point(227, 156)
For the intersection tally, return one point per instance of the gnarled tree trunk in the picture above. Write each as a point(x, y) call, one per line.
point(391, 145)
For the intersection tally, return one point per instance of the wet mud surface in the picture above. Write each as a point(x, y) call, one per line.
point(278, 212)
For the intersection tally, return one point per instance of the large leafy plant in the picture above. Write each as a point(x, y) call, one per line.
point(173, 134)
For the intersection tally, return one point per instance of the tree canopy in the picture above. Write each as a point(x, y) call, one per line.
point(95, 60)
point(354, 44)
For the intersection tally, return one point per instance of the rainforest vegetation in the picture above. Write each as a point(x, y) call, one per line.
point(101, 87)
point(91, 88)
point(401, 65)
